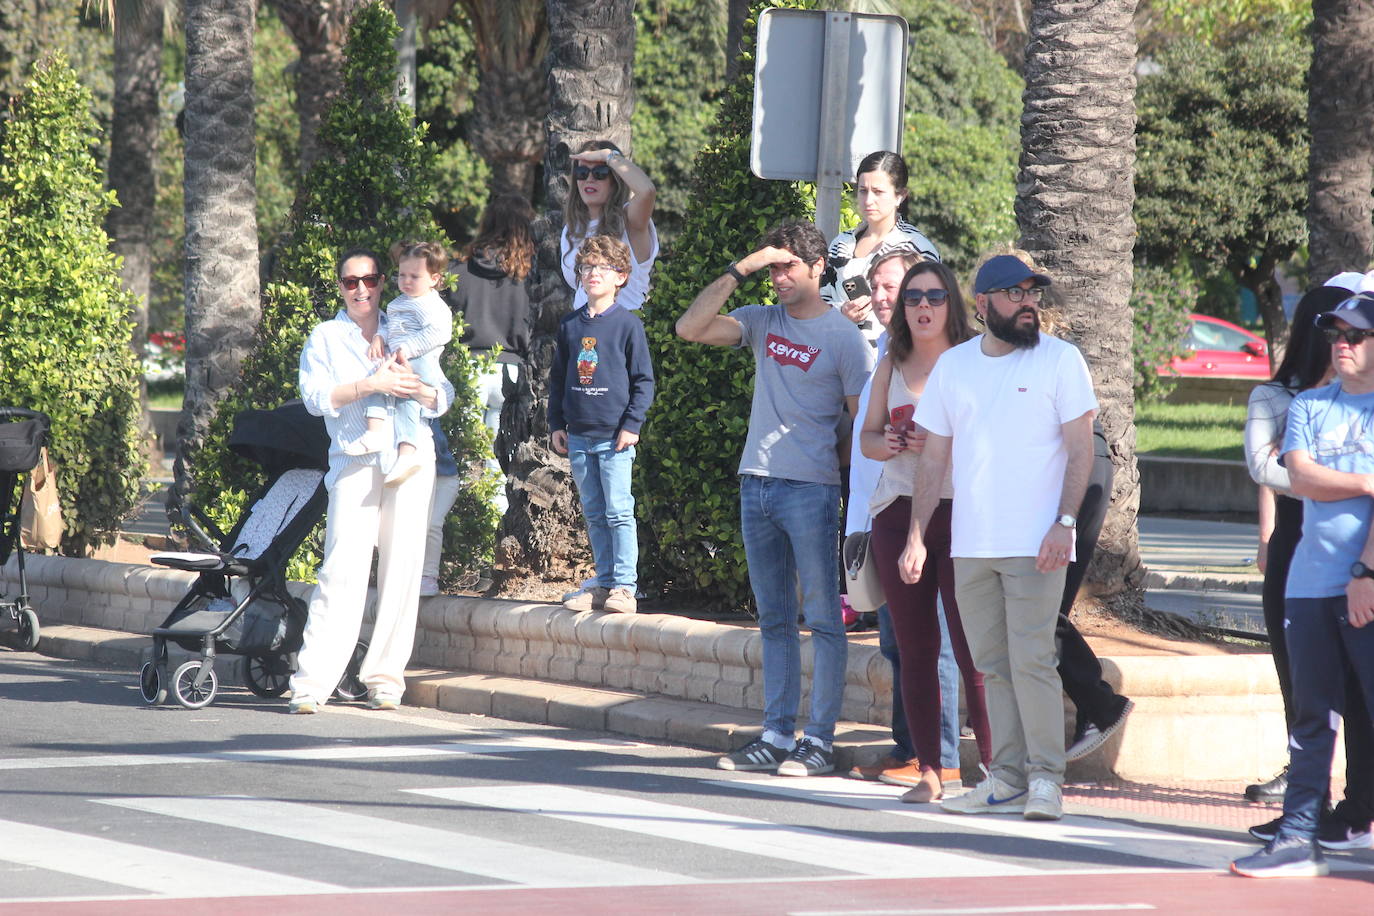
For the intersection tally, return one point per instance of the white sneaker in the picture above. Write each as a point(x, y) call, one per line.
point(402, 470)
point(374, 440)
point(429, 586)
point(991, 796)
point(1045, 801)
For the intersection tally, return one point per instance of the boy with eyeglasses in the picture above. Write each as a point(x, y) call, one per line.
point(1328, 448)
point(600, 388)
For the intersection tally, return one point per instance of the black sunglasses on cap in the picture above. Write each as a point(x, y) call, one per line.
point(598, 172)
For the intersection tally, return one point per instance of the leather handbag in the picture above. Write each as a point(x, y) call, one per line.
point(861, 573)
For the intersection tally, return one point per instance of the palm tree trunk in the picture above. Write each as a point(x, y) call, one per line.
point(1074, 198)
point(591, 54)
point(222, 307)
point(133, 151)
point(319, 29)
point(1340, 114)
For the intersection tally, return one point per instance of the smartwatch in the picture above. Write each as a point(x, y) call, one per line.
point(1068, 521)
point(1359, 571)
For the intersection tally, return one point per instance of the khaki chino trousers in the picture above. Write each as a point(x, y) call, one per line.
point(1009, 612)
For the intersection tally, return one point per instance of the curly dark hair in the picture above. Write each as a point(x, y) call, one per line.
point(799, 236)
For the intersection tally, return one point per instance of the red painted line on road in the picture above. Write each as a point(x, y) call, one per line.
point(1210, 893)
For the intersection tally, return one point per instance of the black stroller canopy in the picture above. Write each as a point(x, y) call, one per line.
point(280, 439)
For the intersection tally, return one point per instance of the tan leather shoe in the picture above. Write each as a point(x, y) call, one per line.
point(873, 770)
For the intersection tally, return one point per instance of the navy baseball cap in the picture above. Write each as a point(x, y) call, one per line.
point(1005, 271)
point(1357, 311)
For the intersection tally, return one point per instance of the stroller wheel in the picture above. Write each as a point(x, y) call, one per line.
point(266, 675)
point(27, 635)
point(351, 688)
point(184, 683)
point(152, 683)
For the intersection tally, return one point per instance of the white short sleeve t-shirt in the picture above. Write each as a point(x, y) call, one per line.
point(1005, 415)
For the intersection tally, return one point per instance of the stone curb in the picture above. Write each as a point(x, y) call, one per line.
point(1180, 579)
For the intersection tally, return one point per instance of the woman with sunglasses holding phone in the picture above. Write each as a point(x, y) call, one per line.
point(929, 319)
point(337, 375)
point(880, 196)
point(610, 196)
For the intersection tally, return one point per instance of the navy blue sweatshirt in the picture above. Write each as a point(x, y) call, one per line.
point(602, 380)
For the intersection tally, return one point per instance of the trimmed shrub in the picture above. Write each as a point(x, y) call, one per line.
point(1161, 300)
point(65, 350)
point(686, 485)
point(370, 187)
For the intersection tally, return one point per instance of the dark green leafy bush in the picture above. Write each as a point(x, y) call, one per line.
point(1161, 300)
point(65, 349)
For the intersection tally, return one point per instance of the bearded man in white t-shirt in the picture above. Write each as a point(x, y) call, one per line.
point(1013, 408)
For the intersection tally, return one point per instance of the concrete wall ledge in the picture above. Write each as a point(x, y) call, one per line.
point(1169, 484)
point(1210, 717)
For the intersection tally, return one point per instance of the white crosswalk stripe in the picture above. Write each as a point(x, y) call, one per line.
point(725, 831)
point(446, 849)
point(1162, 845)
point(131, 865)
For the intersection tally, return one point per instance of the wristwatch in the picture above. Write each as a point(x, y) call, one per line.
point(1068, 521)
point(1359, 571)
point(733, 271)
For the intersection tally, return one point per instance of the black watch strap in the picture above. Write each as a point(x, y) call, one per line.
point(1359, 571)
point(733, 271)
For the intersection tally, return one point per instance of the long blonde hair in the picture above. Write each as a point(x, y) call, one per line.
point(576, 216)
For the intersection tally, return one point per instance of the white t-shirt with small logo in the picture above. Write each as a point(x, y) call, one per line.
point(1005, 414)
point(803, 371)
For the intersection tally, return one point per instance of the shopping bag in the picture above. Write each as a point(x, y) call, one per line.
point(40, 511)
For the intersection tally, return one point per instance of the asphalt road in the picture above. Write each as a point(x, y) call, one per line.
point(113, 807)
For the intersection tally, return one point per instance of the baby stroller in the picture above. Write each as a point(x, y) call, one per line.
point(239, 603)
point(23, 433)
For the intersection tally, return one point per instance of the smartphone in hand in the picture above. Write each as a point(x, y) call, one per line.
point(854, 287)
point(901, 418)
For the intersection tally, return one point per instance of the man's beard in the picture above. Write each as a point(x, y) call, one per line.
point(1010, 330)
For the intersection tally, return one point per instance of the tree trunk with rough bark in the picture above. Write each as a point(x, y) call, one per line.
point(133, 152)
point(1075, 192)
point(591, 96)
point(1340, 115)
point(222, 306)
point(512, 99)
point(319, 29)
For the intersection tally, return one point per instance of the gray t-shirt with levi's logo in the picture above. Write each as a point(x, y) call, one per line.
point(803, 371)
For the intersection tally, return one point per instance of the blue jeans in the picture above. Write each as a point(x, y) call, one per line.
point(603, 483)
point(791, 541)
point(1324, 650)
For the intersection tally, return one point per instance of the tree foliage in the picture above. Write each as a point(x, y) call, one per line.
point(368, 188)
point(1161, 300)
point(65, 349)
point(1222, 148)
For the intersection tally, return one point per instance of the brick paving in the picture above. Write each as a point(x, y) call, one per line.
point(1214, 804)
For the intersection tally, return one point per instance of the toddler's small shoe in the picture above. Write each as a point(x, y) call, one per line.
point(404, 468)
point(429, 586)
point(621, 601)
point(592, 598)
point(374, 440)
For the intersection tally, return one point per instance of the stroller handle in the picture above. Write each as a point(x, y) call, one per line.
point(23, 413)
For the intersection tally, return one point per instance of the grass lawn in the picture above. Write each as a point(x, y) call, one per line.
point(1191, 430)
point(165, 394)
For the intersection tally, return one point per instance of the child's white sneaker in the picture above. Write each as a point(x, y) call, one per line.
point(374, 440)
point(405, 466)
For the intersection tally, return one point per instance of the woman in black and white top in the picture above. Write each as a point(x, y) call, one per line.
point(880, 196)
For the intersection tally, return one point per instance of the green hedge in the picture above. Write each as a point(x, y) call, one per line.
point(65, 348)
point(371, 187)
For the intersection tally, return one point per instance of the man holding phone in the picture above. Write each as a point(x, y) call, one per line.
point(809, 364)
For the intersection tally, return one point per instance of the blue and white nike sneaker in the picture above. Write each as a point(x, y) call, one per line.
point(991, 796)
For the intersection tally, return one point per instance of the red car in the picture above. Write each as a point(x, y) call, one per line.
point(1219, 348)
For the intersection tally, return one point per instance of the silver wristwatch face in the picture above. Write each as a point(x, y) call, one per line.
point(1068, 521)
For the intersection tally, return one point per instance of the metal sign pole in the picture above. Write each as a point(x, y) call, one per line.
point(832, 165)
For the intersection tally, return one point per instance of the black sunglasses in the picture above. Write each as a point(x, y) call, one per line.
point(1352, 336)
point(936, 297)
point(369, 281)
point(599, 172)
